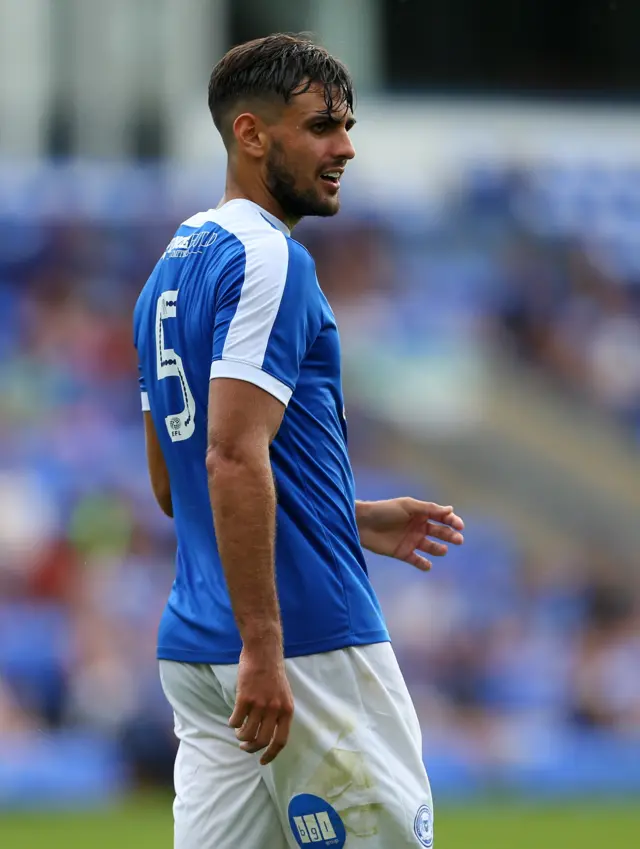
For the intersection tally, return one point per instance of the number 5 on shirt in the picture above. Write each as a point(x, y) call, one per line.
point(179, 425)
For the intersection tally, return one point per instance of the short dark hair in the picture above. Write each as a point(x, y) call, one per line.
point(277, 67)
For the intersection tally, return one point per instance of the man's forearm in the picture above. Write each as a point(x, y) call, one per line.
point(363, 513)
point(243, 500)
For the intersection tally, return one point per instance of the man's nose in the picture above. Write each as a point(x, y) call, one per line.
point(345, 148)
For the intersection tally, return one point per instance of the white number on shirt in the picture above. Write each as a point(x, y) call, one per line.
point(179, 425)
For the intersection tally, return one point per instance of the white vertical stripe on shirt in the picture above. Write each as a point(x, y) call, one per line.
point(266, 266)
point(267, 262)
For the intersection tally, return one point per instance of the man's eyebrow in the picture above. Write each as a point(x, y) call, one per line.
point(331, 118)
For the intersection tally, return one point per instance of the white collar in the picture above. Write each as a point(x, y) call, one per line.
point(272, 219)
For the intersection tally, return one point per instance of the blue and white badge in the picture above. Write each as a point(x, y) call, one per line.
point(315, 823)
point(423, 826)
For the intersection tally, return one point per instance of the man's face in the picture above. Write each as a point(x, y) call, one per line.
point(308, 152)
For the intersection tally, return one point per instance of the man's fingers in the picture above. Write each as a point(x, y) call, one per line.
point(263, 735)
point(279, 739)
point(437, 512)
point(436, 549)
point(418, 561)
point(249, 729)
point(446, 516)
point(453, 520)
point(272, 735)
point(445, 533)
point(241, 711)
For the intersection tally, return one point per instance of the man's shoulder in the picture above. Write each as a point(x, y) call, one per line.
point(251, 227)
point(239, 218)
point(301, 254)
point(143, 303)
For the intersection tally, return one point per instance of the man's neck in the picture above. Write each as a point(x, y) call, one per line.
point(259, 195)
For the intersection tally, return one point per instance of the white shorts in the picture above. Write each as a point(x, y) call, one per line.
point(350, 775)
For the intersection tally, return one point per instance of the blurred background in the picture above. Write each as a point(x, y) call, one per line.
point(485, 273)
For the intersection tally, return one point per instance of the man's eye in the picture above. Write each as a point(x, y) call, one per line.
point(319, 128)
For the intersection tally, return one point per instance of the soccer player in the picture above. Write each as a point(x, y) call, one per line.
point(272, 608)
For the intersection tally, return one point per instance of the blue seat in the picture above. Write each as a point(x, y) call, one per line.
point(60, 770)
point(35, 642)
point(579, 763)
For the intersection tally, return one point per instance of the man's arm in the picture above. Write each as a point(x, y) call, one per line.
point(267, 309)
point(243, 420)
point(158, 472)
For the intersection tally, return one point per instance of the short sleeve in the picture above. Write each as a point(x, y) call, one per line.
point(144, 395)
point(267, 314)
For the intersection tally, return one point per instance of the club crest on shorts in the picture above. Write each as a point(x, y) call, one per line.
point(315, 822)
point(423, 826)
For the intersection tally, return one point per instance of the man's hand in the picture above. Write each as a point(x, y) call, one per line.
point(401, 527)
point(264, 704)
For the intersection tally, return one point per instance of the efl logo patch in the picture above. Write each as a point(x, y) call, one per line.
point(423, 826)
point(315, 823)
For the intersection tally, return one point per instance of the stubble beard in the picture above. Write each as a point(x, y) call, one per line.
point(294, 202)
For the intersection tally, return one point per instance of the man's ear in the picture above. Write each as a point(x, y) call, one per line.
point(248, 131)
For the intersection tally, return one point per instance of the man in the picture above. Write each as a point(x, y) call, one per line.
point(246, 442)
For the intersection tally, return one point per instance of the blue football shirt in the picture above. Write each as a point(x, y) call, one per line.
point(235, 296)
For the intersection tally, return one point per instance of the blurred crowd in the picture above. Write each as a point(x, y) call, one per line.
point(564, 244)
point(504, 656)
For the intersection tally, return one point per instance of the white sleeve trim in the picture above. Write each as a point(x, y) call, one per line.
point(251, 374)
point(144, 399)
